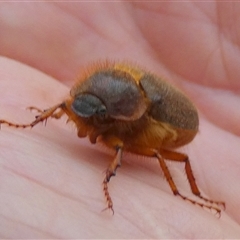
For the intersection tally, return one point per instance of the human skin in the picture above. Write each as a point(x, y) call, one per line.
point(50, 180)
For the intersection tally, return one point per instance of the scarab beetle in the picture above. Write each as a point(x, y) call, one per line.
point(129, 109)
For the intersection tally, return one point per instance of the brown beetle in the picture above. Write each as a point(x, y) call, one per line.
point(129, 109)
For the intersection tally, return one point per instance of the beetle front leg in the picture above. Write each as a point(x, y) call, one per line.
point(111, 171)
point(56, 115)
point(51, 112)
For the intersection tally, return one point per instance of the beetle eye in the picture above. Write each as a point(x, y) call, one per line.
point(102, 111)
point(87, 105)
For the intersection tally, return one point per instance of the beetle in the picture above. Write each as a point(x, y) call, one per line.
point(130, 109)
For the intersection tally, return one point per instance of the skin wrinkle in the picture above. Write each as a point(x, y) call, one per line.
point(229, 25)
point(174, 14)
point(149, 48)
point(105, 34)
point(152, 47)
point(220, 37)
point(45, 233)
point(43, 185)
point(131, 221)
point(225, 39)
point(207, 79)
point(203, 11)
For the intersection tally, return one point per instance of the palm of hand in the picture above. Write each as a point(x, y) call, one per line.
point(51, 190)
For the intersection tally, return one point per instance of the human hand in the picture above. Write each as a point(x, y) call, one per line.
point(51, 180)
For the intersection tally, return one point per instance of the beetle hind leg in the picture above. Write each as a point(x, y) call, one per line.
point(179, 157)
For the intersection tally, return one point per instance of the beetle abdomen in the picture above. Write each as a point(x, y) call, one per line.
point(168, 104)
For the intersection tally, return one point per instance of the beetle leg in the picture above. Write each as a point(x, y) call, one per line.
point(179, 157)
point(55, 115)
point(40, 118)
point(111, 171)
point(31, 108)
point(58, 114)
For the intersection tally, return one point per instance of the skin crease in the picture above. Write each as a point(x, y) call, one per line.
point(50, 180)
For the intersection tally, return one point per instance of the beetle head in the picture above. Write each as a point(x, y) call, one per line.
point(112, 93)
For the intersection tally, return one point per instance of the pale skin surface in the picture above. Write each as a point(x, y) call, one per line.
point(50, 180)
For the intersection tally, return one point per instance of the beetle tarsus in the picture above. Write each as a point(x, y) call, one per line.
point(107, 196)
point(219, 203)
point(31, 108)
point(218, 211)
point(111, 171)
